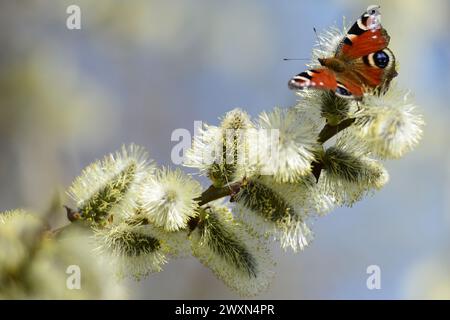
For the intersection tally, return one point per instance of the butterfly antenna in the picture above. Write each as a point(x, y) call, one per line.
point(290, 59)
point(318, 39)
point(304, 59)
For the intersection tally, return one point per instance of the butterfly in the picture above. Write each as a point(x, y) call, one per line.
point(362, 62)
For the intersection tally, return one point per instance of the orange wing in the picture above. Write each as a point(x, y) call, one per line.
point(364, 44)
point(375, 70)
point(364, 37)
point(344, 85)
point(320, 78)
point(349, 86)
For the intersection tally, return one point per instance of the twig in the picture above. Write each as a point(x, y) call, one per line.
point(327, 133)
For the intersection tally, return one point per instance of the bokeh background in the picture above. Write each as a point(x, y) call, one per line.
point(137, 70)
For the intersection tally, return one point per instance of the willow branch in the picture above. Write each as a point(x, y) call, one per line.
point(329, 131)
point(326, 134)
point(214, 193)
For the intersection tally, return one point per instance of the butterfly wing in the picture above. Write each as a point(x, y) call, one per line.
point(364, 48)
point(344, 85)
point(348, 86)
point(320, 78)
point(364, 37)
point(375, 70)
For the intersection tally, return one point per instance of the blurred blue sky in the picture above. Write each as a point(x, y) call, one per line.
point(138, 70)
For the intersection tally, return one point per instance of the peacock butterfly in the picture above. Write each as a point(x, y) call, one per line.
point(361, 62)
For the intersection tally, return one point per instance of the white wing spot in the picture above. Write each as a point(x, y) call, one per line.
point(361, 25)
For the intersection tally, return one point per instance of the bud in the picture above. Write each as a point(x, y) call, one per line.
point(277, 210)
point(168, 199)
point(347, 175)
point(387, 125)
point(232, 251)
point(110, 187)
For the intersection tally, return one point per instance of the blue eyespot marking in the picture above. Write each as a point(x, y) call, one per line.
point(381, 59)
point(341, 91)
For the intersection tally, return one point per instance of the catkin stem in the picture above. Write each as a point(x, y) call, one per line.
point(214, 193)
point(329, 131)
point(325, 134)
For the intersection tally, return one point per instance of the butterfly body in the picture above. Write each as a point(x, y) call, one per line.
point(361, 62)
point(335, 64)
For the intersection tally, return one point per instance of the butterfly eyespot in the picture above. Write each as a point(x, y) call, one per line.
point(381, 59)
point(371, 10)
point(342, 91)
